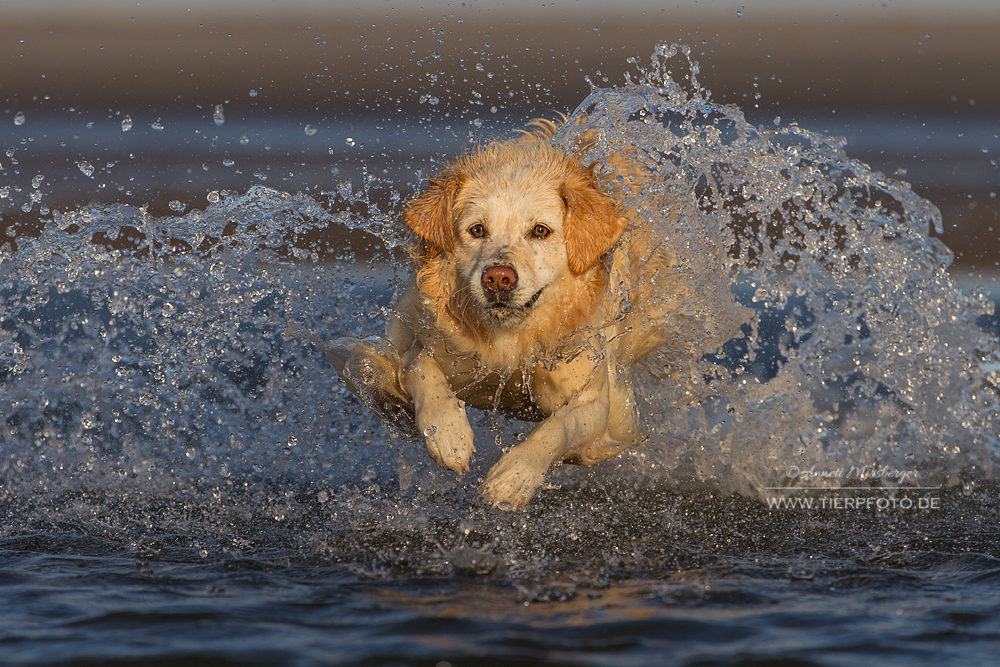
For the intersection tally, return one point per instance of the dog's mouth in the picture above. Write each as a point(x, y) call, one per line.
point(533, 299)
point(502, 301)
point(502, 312)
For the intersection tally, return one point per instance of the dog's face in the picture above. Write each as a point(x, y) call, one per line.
point(518, 223)
point(510, 243)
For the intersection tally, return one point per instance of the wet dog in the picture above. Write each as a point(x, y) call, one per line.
point(534, 294)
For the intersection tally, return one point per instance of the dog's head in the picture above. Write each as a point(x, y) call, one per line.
point(520, 223)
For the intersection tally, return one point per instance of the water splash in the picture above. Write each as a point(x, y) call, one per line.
point(131, 338)
point(180, 357)
point(863, 351)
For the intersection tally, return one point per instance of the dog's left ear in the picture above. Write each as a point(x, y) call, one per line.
point(593, 221)
point(429, 215)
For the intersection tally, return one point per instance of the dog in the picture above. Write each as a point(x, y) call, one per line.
point(534, 294)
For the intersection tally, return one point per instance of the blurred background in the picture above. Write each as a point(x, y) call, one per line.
point(160, 103)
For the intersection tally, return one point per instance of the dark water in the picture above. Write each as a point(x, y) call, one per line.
point(182, 479)
point(672, 580)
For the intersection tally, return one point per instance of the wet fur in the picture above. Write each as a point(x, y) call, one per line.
point(559, 352)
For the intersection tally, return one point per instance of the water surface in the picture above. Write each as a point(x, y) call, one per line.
point(183, 479)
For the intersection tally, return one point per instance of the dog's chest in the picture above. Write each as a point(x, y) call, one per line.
point(531, 395)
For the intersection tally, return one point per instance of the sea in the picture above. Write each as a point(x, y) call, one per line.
point(185, 481)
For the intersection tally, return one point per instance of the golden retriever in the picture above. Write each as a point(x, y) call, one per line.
point(534, 294)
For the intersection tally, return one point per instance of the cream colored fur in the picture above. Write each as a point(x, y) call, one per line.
point(560, 346)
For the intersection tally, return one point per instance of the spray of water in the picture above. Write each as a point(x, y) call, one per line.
point(173, 362)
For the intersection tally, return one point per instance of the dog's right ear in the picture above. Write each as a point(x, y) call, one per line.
point(429, 216)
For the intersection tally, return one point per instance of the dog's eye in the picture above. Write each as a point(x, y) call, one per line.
point(540, 231)
point(477, 231)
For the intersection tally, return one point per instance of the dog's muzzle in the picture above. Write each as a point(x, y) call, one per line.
point(499, 282)
point(499, 279)
point(533, 299)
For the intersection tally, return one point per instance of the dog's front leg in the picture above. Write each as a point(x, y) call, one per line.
point(440, 416)
point(370, 368)
point(512, 482)
point(597, 423)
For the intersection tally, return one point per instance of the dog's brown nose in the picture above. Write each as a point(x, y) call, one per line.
point(499, 278)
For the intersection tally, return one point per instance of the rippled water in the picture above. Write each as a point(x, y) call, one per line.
point(182, 477)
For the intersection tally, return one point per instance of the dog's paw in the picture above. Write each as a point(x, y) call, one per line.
point(448, 437)
point(511, 483)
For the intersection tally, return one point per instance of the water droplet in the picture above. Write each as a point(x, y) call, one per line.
point(218, 116)
point(86, 168)
point(19, 118)
point(191, 453)
point(433, 100)
point(244, 140)
point(430, 430)
point(10, 152)
point(36, 182)
point(739, 13)
point(310, 130)
point(214, 197)
point(157, 125)
point(777, 121)
point(5, 192)
point(493, 109)
point(477, 123)
point(479, 67)
point(292, 441)
point(177, 206)
point(127, 123)
point(322, 497)
point(350, 141)
point(253, 92)
point(596, 29)
point(261, 175)
point(168, 309)
point(228, 162)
